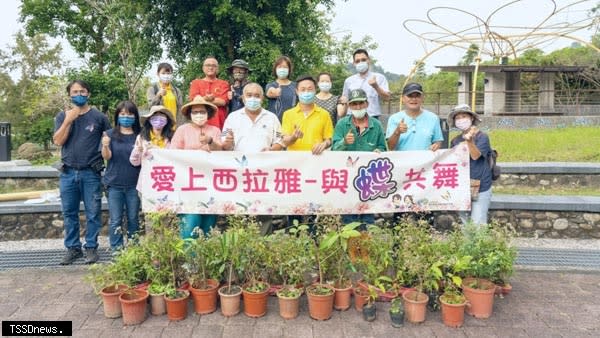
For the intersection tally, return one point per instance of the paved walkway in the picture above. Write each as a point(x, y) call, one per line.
point(542, 304)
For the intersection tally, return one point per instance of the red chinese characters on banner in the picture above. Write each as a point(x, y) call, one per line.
point(224, 180)
point(191, 180)
point(255, 181)
point(445, 175)
point(163, 177)
point(287, 181)
point(414, 177)
point(334, 179)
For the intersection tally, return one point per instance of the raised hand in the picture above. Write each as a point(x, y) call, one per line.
point(349, 138)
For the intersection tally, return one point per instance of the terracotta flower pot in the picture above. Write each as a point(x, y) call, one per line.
point(480, 295)
point(255, 303)
point(360, 299)
point(342, 298)
point(320, 306)
point(415, 306)
point(177, 308)
point(453, 315)
point(205, 299)
point(133, 306)
point(288, 306)
point(158, 306)
point(230, 301)
point(110, 300)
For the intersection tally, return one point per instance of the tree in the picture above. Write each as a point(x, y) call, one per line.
point(257, 31)
point(113, 35)
point(470, 55)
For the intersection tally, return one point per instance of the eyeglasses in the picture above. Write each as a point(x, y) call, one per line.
point(211, 65)
point(198, 112)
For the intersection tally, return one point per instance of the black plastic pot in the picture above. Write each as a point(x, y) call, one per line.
point(369, 312)
point(433, 304)
point(397, 318)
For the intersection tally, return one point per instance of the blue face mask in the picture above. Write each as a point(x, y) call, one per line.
point(306, 97)
point(126, 121)
point(79, 100)
point(253, 103)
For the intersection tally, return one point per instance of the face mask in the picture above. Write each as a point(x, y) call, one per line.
point(166, 78)
point(239, 76)
point(126, 121)
point(362, 66)
point(79, 100)
point(158, 122)
point(325, 86)
point(306, 97)
point(282, 73)
point(359, 113)
point(463, 124)
point(199, 119)
point(252, 103)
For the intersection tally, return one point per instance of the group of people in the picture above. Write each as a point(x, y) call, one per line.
point(230, 116)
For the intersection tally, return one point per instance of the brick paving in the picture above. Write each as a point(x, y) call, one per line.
point(542, 304)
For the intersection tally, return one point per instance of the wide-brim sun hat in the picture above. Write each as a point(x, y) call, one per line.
point(157, 109)
point(462, 108)
point(199, 101)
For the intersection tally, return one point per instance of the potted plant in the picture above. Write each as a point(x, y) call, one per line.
point(371, 255)
point(133, 305)
point(416, 254)
point(397, 313)
point(336, 261)
point(488, 246)
point(369, 311)
point(361, 296)
point(254, 254)
point(106, 284)
point(177, 303)
point(231, 242)
point(158, 305)
point(202, 263)
point(290, 259)
point(452, 301)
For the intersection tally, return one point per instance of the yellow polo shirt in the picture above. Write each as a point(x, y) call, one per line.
point(316, 126)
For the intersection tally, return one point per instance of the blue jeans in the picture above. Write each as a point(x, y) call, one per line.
point(191, 224)
point(75, 186)
point(119, 200)
point(364, 219)
point(479, 209)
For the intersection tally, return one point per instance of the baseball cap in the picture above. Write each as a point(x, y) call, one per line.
point(412, 88)
point(357, 95)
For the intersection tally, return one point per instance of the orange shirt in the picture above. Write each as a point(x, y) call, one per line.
point(218, 88)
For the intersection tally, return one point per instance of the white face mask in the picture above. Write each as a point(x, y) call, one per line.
point(362, 66)
point(166, 78)
point(463, 124)
point(325, 86)
point(199, 119)
point(359, 113)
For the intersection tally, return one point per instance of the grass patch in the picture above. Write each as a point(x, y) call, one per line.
point(570, 144)
point(574, 191)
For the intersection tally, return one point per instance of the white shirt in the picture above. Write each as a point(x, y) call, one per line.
point(253, 136)
point(357, 82)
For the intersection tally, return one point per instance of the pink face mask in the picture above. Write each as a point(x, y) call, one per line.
point(463, 124)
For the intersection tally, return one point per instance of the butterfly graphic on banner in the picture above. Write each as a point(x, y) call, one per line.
point(210, 202)
point(351, 163)
point(446, 196)
point(243, 162)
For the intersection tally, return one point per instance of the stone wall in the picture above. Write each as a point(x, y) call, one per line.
point(528, 223)
point(541, 181)
point(20, 184)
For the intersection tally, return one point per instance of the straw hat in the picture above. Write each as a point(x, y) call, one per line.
point(199, 101)
point(158, 109)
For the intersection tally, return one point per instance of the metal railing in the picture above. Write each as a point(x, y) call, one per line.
point(575, 102)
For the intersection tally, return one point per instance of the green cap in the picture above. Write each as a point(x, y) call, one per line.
point(357, 95)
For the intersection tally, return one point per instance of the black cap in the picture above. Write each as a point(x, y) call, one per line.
point(412, 88)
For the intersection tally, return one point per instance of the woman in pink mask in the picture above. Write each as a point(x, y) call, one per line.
point(197, 135)
point(478, 142)
point(157, 132)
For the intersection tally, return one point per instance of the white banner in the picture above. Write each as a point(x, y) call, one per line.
point(289, 183)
